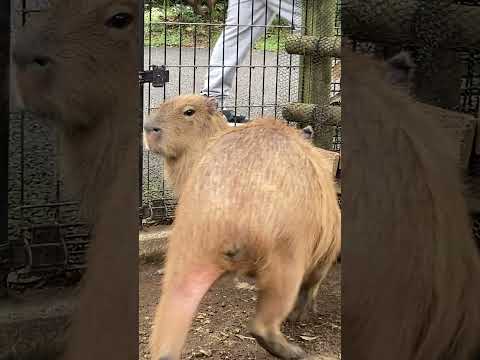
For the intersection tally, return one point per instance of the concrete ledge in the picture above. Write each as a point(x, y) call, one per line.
point(153, 244)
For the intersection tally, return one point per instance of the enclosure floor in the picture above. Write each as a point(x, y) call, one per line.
point(220, 331)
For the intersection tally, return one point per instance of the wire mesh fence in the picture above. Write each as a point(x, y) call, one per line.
point(467, 70)
point(237, 54)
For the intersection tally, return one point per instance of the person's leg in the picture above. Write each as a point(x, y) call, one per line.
point(234, 44)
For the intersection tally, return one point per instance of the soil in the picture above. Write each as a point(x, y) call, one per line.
point(219, 330)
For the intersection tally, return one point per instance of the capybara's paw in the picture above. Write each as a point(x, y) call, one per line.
point(301, 314)
point(163, 357)
point(295, 315)
point(279, 346)
point(303, 310)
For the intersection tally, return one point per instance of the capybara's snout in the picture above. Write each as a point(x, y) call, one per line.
point(151, 135)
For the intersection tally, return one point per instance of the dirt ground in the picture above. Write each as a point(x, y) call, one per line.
point(219, 330)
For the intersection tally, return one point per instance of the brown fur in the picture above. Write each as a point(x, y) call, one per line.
point(256, 199)
point(411, 267)
point(88, 87)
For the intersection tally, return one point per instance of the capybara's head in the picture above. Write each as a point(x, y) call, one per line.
point(73, 60)
point(181, 123)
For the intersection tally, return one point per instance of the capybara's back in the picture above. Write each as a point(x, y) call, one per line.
point(259, 200)
point(260, 191)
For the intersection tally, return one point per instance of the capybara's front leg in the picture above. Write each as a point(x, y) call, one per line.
point(182, 291)
point(278, 288)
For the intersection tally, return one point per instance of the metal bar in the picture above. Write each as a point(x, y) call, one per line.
point(291, 57)
point(5, 32)
point(209, 55)
point(180, 60)
point(24, 12)
point(165, 14)
point(141, 64)
point(219, 25)
point(278, 56)
point(264, 54)
point(236, 62)
point(250, 64)
point(223, 55)
point(249, 106)
point(194, 57)
point(237, 66)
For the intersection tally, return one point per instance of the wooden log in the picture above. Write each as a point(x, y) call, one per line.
point(391, 22)
point(315, 71)
point(459, 125)
point(312, 114)
point(328, 46)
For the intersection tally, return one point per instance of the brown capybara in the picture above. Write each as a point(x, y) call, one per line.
point(78, 63)
point(411, 269)
point(256, 200)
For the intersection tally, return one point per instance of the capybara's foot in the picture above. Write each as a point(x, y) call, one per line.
point(304, 308)
point(277, 345)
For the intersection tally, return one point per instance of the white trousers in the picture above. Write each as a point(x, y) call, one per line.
point(224, 57)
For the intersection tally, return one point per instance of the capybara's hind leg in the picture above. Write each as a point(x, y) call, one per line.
point(305, 304)
point(182, 290)
point(307, 296)
point(278, 288)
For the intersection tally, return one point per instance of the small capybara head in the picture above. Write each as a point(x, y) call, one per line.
point(181, 123)
point(74, 61)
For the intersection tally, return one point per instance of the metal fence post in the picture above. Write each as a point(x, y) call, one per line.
point(4, 131)
point(141, 44)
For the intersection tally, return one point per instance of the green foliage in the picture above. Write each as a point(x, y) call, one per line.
point(159, 31)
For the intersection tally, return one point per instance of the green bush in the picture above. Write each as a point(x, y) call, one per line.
point(159, 31)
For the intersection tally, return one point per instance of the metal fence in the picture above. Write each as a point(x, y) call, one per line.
point(260, 81)
point(46, 236)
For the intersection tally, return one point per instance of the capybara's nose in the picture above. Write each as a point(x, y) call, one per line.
point(30, 52)
point(151, 128)
point(28, 59)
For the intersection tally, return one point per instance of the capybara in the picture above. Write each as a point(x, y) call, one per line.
point(256, 200)
point(411, 270)
point(78, 64)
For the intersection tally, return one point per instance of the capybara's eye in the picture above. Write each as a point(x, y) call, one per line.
point(189, 112)
point(119, 21)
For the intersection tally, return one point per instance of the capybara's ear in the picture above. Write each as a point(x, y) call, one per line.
point(401, 68)
point(307, 132)
point(211, 103)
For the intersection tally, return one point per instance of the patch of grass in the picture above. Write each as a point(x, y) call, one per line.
point(158, 31)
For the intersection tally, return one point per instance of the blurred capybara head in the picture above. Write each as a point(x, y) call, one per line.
point(72, 60)
point(181, 123)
